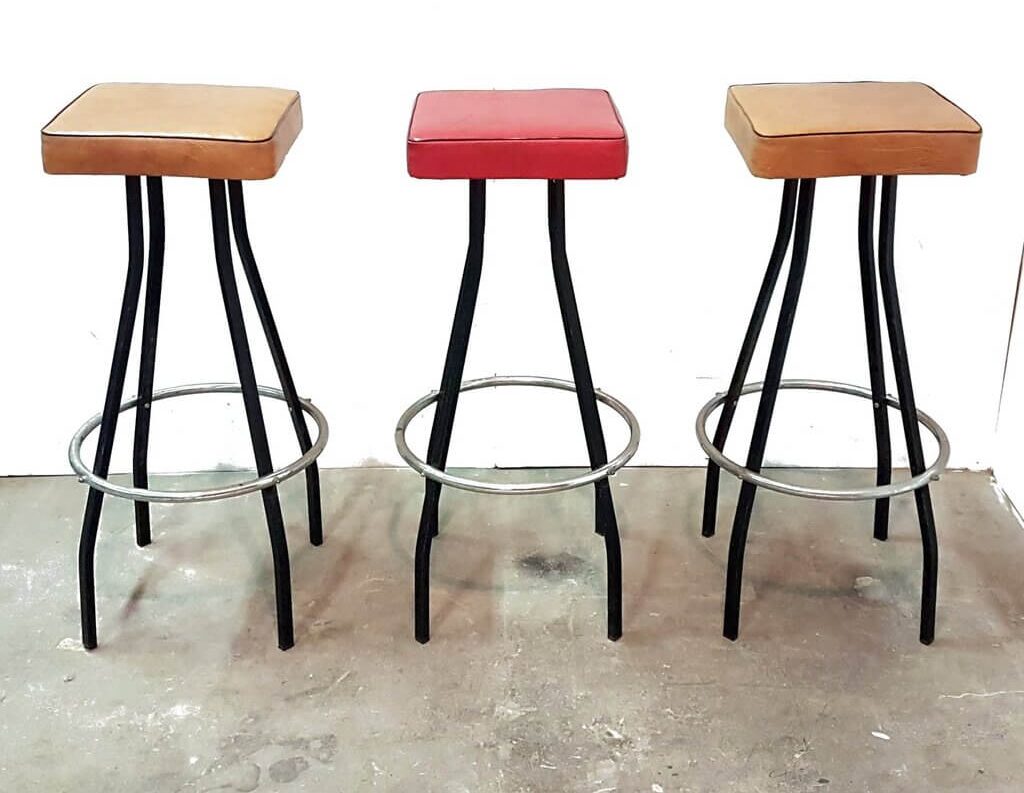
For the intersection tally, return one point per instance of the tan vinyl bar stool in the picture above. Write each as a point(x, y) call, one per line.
point(225, 135)
point(799, 133)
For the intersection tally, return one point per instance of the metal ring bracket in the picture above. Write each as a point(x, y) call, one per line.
point(463, 483)
point(191, 496)
point(854, 494)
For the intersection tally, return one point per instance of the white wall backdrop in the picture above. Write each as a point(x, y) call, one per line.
point(362, 263)
point(1009, 457)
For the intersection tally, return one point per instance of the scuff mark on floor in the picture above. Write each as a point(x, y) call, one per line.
point(981, 694)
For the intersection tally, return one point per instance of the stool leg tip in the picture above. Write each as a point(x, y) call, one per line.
point(285, 640)
point(882, 519)
point(143, 535)
point(89, 634)
point(316, 531)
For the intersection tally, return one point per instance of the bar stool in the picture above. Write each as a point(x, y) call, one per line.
point(226, 135)
point(546, 134)
point(800, 132)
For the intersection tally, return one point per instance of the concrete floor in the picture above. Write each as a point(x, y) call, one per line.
point(827, 689)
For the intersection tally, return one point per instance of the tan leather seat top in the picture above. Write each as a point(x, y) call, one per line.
point(808, 130)
point(153, 129)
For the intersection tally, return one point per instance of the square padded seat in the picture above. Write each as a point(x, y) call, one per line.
point(809, 130)
point(153, 129)
point(564, 133)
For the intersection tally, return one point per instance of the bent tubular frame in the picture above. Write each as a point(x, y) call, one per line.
point(447, 396)
point(878, 493)
point(506, 488)
point(106, 422)
point(144, 496)
point(912, 418)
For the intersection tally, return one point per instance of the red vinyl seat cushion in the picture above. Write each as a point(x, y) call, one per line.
point(562, 133)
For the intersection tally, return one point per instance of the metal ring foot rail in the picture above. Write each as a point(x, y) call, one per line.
point(190, 496)
point(855, 494)
point(463, 483)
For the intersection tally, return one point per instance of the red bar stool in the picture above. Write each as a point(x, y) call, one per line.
point(553, 135)
point(224, 134)
point(801, 132)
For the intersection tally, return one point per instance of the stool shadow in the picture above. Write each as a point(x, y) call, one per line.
point(168, 553)
point(342, 551)
point(447, 605)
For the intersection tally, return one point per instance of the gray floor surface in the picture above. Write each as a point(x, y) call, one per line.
point(519, 690)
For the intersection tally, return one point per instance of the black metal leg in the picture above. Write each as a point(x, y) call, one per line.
point(605, 521)
point(739, 375)
point(253, 411)
point(447, 401)
point(745, 506)
point(876, 360)
point(284, 374)
point(908, 407)
point(108, 425)
point(147, 359)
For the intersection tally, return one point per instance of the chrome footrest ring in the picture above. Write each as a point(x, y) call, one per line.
point(86, 476)
point(930, 473)
point(502, 488)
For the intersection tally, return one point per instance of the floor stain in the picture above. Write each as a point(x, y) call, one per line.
point(288, 770)
point(559, 565)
